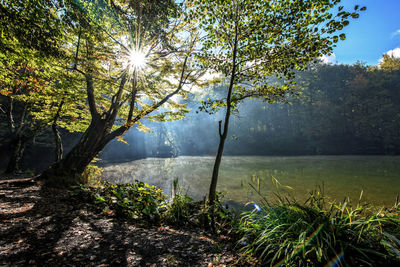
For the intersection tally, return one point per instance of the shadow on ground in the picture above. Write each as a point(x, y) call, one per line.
point(50, 227)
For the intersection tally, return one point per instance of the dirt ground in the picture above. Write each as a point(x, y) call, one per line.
point(49, 227)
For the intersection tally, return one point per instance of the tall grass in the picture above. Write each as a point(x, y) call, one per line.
point(183, 210)
point(316, 234)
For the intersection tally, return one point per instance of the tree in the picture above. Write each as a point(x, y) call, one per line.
point(33, 76)
point(33, 93)
point(133, 62)
point(389, 63)
point(33, 24)
point(250, 41)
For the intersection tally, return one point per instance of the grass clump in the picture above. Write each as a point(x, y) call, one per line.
point(183, 210)
point(314, 234)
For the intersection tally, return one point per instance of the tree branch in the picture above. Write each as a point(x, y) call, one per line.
point(115, 101)
point(182, 81)
point(122, 129)
point(133, 98)
point(90, 95)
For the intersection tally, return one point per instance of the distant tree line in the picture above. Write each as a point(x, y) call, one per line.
point(342, 109)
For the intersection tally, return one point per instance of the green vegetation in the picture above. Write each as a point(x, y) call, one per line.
point(181, 207)
point(79, 72)
point(103, 67)
point(286, 233)
point(341, 110)
point(147, 204)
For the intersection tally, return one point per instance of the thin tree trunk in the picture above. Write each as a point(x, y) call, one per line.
point(58, 144)
point(217, 163)
point(223, 134)
point(57, 136)
point(18, 147)
point(9, 113)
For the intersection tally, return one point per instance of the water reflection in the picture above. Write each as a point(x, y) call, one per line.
point(377, 176)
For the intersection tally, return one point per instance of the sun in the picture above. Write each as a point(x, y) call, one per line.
point(137, 59)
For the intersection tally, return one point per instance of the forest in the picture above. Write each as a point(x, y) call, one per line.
point(88, 87)
point(340, 110)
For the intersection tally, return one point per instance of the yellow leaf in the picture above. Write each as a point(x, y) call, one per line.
point(122, 139)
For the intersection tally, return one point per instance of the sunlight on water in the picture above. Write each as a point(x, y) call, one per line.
point(377, 176)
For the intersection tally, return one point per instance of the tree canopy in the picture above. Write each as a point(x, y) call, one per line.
point(93, 77)
point(107, 41)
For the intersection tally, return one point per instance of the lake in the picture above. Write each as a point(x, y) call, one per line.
point(341, 176)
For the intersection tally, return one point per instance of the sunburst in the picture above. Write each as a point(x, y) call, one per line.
point(137, 59)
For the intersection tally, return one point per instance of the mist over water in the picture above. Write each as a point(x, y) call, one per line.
point(342, 176)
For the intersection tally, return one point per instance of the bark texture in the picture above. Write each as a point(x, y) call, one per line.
point(69, 169)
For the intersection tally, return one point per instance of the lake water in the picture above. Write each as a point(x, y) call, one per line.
point(342, 176)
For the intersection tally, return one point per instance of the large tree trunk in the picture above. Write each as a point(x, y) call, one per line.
point(17, 151)
point(69, 169)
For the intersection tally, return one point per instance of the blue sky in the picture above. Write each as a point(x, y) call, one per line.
point(374, 33)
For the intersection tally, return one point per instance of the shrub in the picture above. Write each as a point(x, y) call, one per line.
point(136, 200)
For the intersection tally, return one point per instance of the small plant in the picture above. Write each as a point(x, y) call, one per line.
point(391, 229)
point(92, 175)
point(171, 260)
point(181, 208)
point(29, 173)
